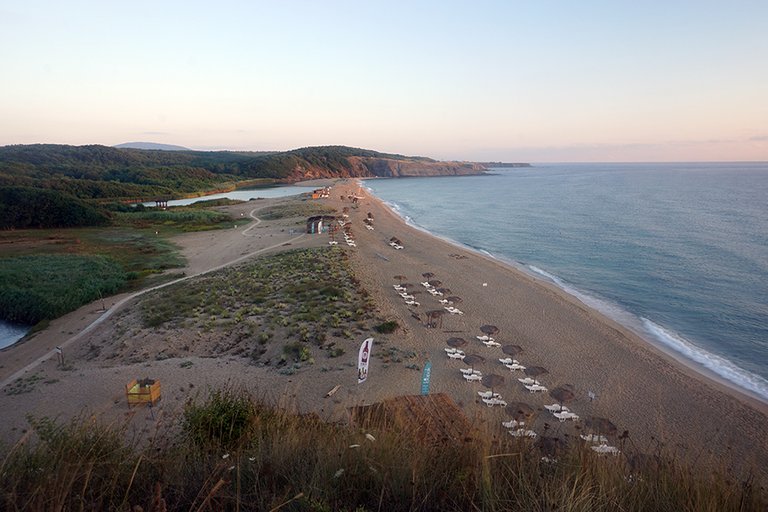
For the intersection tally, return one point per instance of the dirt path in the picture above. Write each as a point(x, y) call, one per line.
point(12, 359)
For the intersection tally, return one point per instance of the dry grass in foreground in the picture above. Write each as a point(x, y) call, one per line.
point(233, 453)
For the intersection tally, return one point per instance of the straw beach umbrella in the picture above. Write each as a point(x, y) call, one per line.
point(444, 291)
point(400, 278)
point(512, 350)
point(492, 381)
point(434, 282)
point(563, 394)
point(453, 299)
point(456, 342)
point(535, 371)
point(490, 330)
point(435, 318)
point(473, 359)
point(600, 425)
point(520, 411)
point(427, 275)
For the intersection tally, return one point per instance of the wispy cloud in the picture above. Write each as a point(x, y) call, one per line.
point(155, 133)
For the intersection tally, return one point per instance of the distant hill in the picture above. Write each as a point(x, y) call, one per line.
point(151, 145)
point(98, 172)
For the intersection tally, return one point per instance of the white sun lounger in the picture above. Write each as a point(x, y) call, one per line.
point(512, 424)
point(604, 448)
point(488, 394)
point(534, 388)
point(473, 378)
point(556, 408)
point(470, 371)
point(566, 415)
point(594, 438)
point(515, 366)
point(412, 303)
point(527, 381)
point(507, 360)
point(490, 402)
point(484, 338)
point(456, 355)
point(450, 350)
point(491, 343)
point(426, 284)
point(522, 433)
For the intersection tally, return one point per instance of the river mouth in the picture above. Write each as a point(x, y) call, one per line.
point(11, 333)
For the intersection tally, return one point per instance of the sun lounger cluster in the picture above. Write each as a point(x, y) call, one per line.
point(395, 243)
point(517, 429)
point(488, 341)
point(492, 399)
point(454, 353)
point(600, 444)
point(409, 299)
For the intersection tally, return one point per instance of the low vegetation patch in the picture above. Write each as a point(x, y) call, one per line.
point(233, 453)
point(306, 208)
point(387, 327)
point(299, 299)
point(182, 218)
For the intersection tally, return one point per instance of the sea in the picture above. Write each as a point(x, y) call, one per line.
point(11, 333)
point(676, 252)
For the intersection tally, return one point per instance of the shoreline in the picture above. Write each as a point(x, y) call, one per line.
point(650, 390)
point(638, 388)
point(699, 370)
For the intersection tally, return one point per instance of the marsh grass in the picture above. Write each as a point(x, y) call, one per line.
point(42, 287)
point(236, 453)
point(180, 218)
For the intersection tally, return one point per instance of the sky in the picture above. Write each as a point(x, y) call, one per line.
point(530, 81)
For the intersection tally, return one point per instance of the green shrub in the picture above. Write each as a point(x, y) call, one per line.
point(386, 327)
point(297, 351)
point(221, 421)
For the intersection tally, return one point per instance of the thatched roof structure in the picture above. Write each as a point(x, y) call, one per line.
point(432, 418)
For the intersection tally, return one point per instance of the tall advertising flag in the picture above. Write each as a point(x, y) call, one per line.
point(425, 378)
point(362, 360)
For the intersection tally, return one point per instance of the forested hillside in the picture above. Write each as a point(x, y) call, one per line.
point(48, 185)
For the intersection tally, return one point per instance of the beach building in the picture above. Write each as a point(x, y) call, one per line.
point(321, 193)
point(319, 223)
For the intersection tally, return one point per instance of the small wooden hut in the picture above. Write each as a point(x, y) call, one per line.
point(142, 391)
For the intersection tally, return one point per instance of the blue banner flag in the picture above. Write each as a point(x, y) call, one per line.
point(425, 378)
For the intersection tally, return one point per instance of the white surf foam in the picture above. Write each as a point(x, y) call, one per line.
point(714, 363)
point(611, 310)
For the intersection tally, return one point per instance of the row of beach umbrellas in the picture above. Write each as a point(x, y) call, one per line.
point(520, 411)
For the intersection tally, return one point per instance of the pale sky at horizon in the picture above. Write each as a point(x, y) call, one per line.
point(537, 81)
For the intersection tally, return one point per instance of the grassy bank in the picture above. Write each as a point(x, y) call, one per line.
point(232, 452)
point(49, 272)
point(36, 288)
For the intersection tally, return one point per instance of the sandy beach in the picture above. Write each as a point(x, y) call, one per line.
point(643, 391)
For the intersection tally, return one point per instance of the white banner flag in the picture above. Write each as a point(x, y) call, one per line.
point(362, 360)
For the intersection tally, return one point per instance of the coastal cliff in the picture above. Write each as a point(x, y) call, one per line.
point(366, 167)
